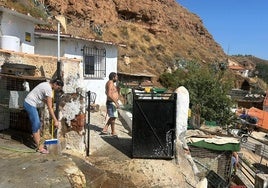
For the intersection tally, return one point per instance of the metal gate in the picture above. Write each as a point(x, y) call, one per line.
point(153, 126)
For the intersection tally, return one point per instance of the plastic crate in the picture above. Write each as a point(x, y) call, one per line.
point(216, 181)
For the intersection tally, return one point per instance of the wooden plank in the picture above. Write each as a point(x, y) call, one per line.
point(23, 77)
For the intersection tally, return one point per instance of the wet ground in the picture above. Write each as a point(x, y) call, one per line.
point(21, 166)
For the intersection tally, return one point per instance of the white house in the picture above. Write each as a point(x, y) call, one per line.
point(17, 31)
point(98, 58)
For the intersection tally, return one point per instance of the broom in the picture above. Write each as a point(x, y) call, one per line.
point(53, 140)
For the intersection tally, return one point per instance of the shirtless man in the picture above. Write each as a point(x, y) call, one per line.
point(111, 103)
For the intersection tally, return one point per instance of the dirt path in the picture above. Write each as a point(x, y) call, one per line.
point(113, 156)
point(109, 164)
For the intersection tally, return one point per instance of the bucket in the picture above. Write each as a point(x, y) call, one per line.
point(10, 43)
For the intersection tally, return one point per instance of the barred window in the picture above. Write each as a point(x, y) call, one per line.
point(94, 62)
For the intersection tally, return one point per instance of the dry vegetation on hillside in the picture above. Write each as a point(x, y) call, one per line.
point(157, 33)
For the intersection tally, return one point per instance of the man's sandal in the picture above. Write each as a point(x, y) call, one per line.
point(104, 133)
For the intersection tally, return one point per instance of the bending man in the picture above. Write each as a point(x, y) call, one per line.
point(41, 93)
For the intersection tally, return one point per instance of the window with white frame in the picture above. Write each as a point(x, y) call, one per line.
point(94, 62)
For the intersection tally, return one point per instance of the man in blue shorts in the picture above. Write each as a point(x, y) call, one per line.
point(111, 103)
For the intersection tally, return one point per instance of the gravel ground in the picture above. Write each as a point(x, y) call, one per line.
point(110, 164)
point(113, 155)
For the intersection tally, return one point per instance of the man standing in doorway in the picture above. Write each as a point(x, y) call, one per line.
point(42, 93)
point(111, 103)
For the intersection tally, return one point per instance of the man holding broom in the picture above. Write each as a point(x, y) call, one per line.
point(42, 93)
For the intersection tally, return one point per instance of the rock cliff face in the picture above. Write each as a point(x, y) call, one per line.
point(157, 33)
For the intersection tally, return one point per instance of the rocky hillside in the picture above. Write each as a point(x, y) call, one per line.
point(156, 33)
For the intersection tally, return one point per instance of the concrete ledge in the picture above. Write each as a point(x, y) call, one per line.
point(127, 116)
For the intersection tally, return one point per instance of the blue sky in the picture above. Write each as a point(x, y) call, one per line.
point(239, 26)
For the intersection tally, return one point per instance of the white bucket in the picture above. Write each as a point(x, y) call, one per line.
point(10, 43)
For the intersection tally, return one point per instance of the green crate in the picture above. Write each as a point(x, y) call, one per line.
point(210, 123)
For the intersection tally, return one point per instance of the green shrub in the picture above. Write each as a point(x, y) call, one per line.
point(208, 90)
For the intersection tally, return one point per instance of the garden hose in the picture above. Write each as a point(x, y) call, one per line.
point(18, 150)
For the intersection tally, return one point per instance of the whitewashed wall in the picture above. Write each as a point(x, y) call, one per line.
point(98, 86)
point(71, 48)
point(15, 27)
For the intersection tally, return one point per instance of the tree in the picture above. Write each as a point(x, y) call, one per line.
point(208, 88)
